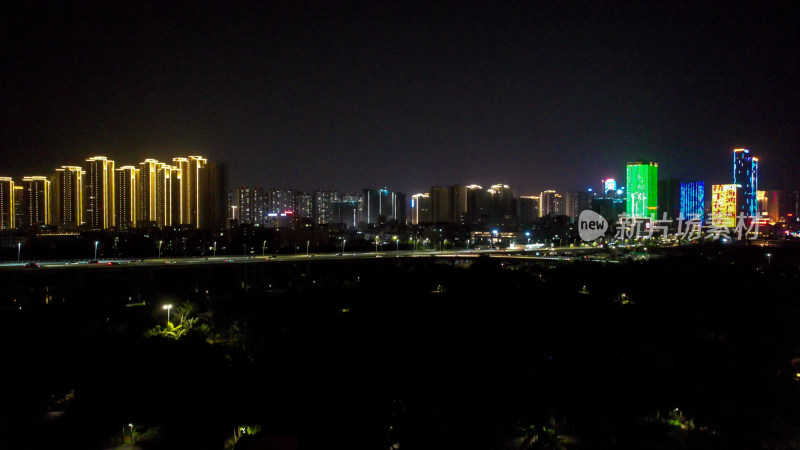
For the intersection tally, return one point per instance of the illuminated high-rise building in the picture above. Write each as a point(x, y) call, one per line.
point(194, 190)
point(68, 196)
point(304, 204)
point(166, 189)
point(323, 206)
point(281, 200)
point(420, 208)
point(19, 206)
point(609, 184)
point(100, 193)
point(642, 189)
point(6, 203)
point(775, 200)
point(345, 210)
point(36, 200)
point(745, 174)
point(550, 203)
point(693, 201)
point(382, 205)
point(251, 204)
point(147, 186)
point(723, 204)
point(126, 192)
point(577, 201)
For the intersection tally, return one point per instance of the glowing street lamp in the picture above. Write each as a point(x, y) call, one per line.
point(159, 249)
point(344, 241)
point(167, 307)
point(397, 243)
point(19, 250)
point(769, 259)
point(95, 249)
point(376, 244)
point(307, 244)
point(264, 248)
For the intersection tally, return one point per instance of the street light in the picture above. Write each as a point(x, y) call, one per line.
point(167, 307)
point(376, 244)
point(307, 244)
point(95, 249)
point(344, 241)
point(264, 248)
point(769, 259)
point(159, 249)
point(19, 250)
point(397, 243)
point(215, 249)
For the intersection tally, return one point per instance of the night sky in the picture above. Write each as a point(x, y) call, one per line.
point(329, 95)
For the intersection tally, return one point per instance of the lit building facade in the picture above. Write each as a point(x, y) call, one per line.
point(745, 174)
point(420, 208)
point(36, 200)
point(551, 203)
point(723, 204)
point(20, 216)
point(147, 186)
point(68, 195)
point(382, 205)
point(251, 203)
point(577, 201)
point(642, 189)
point(194, 189)
point(281, 200)
point(693, 200)
point(323, 206)
point(100, 196)
point(126, 192)
point(345, 210)
point(6, 203)
point(304, 204)
point(166, 192)
point(609, 184)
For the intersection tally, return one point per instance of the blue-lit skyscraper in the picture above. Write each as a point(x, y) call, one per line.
point(693, 200)
point(745, 174)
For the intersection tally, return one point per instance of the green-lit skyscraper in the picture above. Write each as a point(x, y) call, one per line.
point(642, 189)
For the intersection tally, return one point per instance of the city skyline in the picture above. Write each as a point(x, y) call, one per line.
point(159, 193)
point(536, 96)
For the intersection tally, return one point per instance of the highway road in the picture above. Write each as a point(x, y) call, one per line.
point(563, 254)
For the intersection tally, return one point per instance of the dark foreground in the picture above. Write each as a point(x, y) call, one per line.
point(701, 351)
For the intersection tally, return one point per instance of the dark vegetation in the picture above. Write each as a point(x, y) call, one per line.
point(699, 353)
